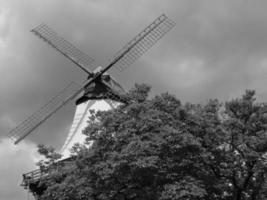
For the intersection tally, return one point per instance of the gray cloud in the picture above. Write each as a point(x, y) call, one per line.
point(15, 160)
point(217, 50)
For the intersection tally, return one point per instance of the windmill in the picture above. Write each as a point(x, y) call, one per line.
point(99, 88)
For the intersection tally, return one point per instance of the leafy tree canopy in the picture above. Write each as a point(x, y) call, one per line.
point(159, 149)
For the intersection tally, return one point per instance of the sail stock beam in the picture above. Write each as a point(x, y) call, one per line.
point(82, 60)
point(36, 119)
point(142, 42)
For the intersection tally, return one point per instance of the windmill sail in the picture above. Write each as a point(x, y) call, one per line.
point(143, 42)
point(64, 47)
point(36, 119)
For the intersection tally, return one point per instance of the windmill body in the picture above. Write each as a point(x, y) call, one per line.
point(99, 96)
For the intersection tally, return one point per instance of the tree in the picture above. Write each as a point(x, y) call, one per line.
point(157, 148)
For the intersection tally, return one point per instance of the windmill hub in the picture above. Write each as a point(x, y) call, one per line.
point(104, 86)
point(101, 88)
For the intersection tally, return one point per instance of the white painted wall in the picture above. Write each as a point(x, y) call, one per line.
point(80, 121)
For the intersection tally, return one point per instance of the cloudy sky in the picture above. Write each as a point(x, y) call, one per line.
point(217, 50)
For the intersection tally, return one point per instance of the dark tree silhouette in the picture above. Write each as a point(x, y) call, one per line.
point(157, 148)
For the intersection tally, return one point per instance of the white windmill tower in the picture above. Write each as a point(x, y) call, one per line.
point(82, 114)
point(100, 91)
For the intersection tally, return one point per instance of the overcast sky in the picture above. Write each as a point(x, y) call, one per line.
point(217, 50)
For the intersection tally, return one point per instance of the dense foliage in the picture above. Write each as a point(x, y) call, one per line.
point(161, 149)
